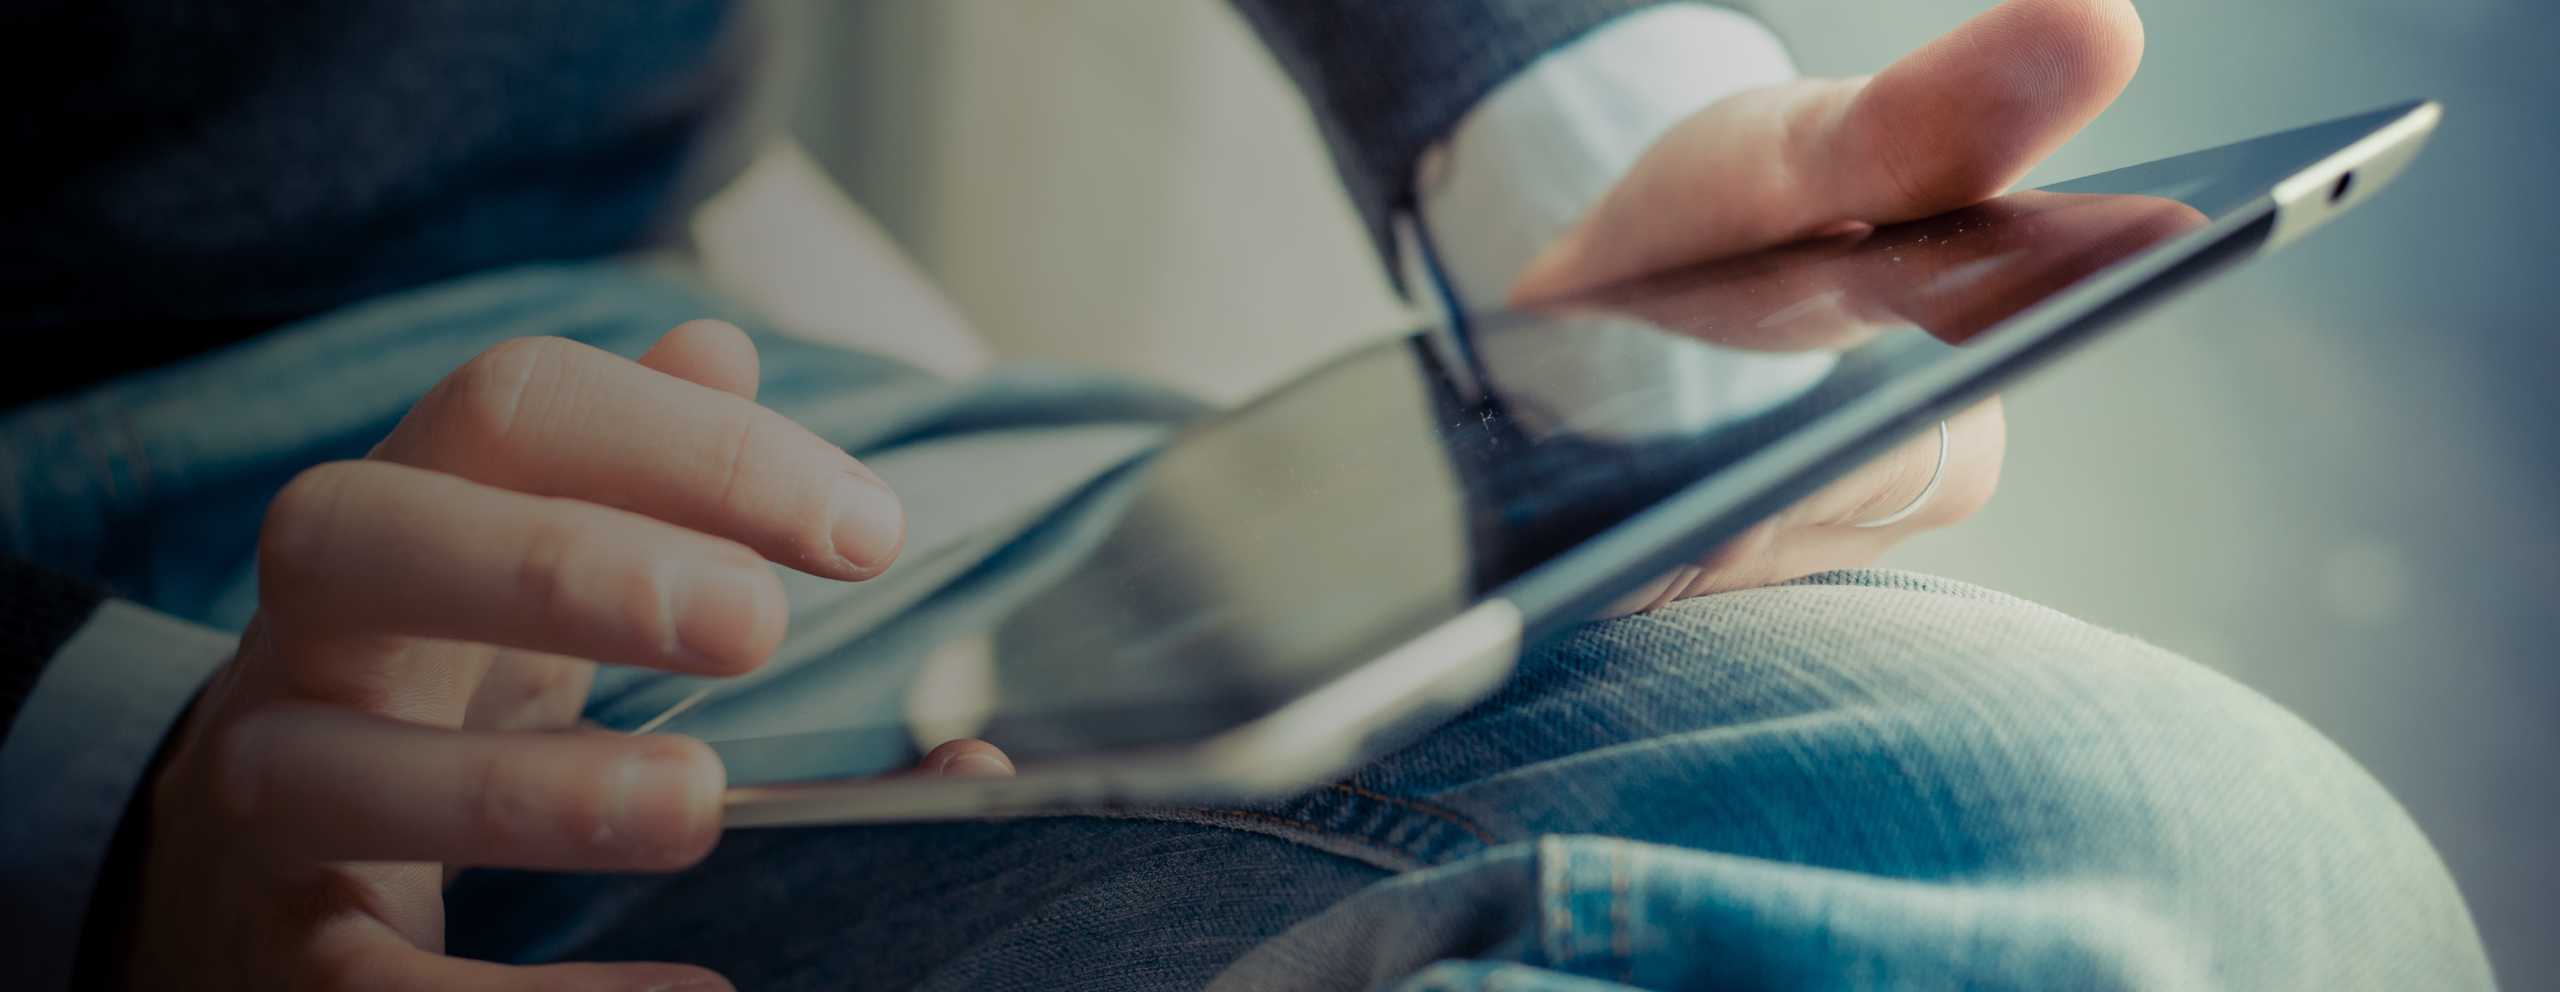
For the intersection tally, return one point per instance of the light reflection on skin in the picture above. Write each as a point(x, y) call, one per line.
point(1953, 275)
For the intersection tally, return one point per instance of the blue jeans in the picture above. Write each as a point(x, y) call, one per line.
point(1859, 780)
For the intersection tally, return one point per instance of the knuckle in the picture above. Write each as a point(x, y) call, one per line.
point(489, 399)
point(523, 686)
point(237, 779)
point(503, 796)
point(539, 802)
point(733, 470)
point(548, 676)
point(306, 513)
point(546, 561)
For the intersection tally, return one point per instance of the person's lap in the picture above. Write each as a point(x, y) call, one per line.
point(1865, 780)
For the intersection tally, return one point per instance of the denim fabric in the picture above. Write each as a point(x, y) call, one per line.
point(1877, 780)
point(156, 483)
point(1862, 780)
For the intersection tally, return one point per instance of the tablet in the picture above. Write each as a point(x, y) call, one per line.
point(1293, 586)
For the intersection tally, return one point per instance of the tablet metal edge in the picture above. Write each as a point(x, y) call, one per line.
point(2349, 176)
point(1447, 668)
point(2378, 157)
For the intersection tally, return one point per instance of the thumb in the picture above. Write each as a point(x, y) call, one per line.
point(1951, 124)
point(1966, 115)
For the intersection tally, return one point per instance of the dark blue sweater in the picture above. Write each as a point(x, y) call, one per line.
point(182, 173)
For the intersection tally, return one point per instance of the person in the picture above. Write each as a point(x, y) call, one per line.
point(1785, 770)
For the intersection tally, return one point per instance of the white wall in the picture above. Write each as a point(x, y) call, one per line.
point(1131, 184)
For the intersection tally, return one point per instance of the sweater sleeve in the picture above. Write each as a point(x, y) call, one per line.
point(39, 610)
point(1386, 80)
point(1532, 157)
point(93, 685)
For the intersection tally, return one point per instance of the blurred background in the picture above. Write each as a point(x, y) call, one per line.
point(2334, 474)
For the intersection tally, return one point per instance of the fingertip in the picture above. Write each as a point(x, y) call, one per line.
point(866, 525)
point(2104, 37)
point(2095, 41)
point(966, 758)
point(655, 977)
point(664, 800)
point(412, 968)
point(723, 617)
point(2125, 32)
point(1963, 117)
point(1552, 272)
point(978, 764)
point(708, 352)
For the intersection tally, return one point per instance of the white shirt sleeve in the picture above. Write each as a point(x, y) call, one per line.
point(1540, 150)
point(73, 758)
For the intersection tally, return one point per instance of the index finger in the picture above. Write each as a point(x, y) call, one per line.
point(552, 417)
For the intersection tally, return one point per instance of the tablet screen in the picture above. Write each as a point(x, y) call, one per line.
point(1364, 504)
point(1275, 547)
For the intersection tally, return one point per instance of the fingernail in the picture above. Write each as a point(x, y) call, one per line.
point(976, 764)
point(660, 803)
point(718, 610)
point(868, 523)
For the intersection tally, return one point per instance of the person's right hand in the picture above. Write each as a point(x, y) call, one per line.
point(406, 696)
point(1947, 126)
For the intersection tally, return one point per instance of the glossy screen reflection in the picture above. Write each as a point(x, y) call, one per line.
point(1270, 549)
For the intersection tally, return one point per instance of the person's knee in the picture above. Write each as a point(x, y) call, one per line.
point(1977, 700)
point(1946, 734)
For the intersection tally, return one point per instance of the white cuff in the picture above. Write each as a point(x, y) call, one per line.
point(1539, 151)
point(73, 758)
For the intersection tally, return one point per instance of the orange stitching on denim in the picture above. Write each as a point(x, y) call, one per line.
point(1481, 834)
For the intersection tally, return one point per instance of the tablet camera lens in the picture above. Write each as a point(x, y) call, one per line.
point(2346, 181)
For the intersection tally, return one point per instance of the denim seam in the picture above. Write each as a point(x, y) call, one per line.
point(1621, 943)
point(1554, 859)
point(1367, 842)
point(1481, 834)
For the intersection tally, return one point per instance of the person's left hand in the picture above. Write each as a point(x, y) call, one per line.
point(405, 697)
point(1949, 125)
